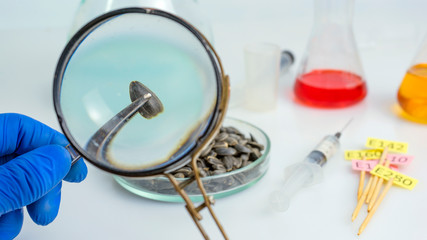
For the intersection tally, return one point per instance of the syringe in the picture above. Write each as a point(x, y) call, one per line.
point(305, 173)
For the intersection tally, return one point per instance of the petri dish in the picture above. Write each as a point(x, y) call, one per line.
point(219, 186)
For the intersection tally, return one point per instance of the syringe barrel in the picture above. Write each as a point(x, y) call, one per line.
point(328, 145)
point(297, 176)
point(324, 150)
point(305, 173)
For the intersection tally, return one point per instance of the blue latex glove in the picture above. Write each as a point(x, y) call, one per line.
point(33, 163)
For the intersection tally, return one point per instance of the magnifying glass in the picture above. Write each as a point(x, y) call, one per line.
point(140, 92)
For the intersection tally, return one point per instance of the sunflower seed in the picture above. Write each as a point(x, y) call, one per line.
point(213, 161)
point(245, 159)
point(230, 150)
point(179, 175)
point(221, 137)
point(218, 167)
point(242, 149)
point(203, 173)
point(185, 170)
point(237, 163)
point(243, 141)
point(252, 138)
point(256, 145)
point(212, 154)
point(228, 163)
point(255, 154)
point(225, 151)
point(206, 151)
point(220, 144)
point(218, 172)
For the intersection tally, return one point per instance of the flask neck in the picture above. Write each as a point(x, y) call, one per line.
point(336, 12)
point(421, 56)
point(189, 10)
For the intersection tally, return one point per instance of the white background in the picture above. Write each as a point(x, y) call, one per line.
point(388, 33)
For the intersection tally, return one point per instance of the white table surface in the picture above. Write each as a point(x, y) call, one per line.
point(33, 33)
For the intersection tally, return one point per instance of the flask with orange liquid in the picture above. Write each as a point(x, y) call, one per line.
point(331, 74)
point(412, 94)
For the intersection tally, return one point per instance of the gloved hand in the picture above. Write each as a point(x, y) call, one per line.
point(33, 163)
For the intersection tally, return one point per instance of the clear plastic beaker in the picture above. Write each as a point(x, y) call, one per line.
point(330, 74)
point(412, 94)
point(262, 68)
point(187, 9)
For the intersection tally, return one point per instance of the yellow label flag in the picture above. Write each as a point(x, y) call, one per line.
point(399, 178)
point(359, 154)
point(392, 146)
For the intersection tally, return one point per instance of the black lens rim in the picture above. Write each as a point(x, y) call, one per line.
point(68, 52)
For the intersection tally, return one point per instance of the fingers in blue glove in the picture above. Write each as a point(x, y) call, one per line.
point(28, 177)
point(45, 210)
point(21, 134)
point(11, 224)
point(32, 165)
point(78, 172)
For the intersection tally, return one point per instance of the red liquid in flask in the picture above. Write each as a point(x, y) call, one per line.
point(330, 88)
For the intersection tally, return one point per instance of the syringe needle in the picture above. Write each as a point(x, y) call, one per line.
point(346, 125)
point(338, 134)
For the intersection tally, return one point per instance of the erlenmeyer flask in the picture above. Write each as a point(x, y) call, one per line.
point(186, 9)
point(412, 94)
point(330, 74)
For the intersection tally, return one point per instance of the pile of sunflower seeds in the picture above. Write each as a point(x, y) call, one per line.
point(230, 150)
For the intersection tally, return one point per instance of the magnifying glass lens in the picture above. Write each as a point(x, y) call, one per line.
point(95, 85)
